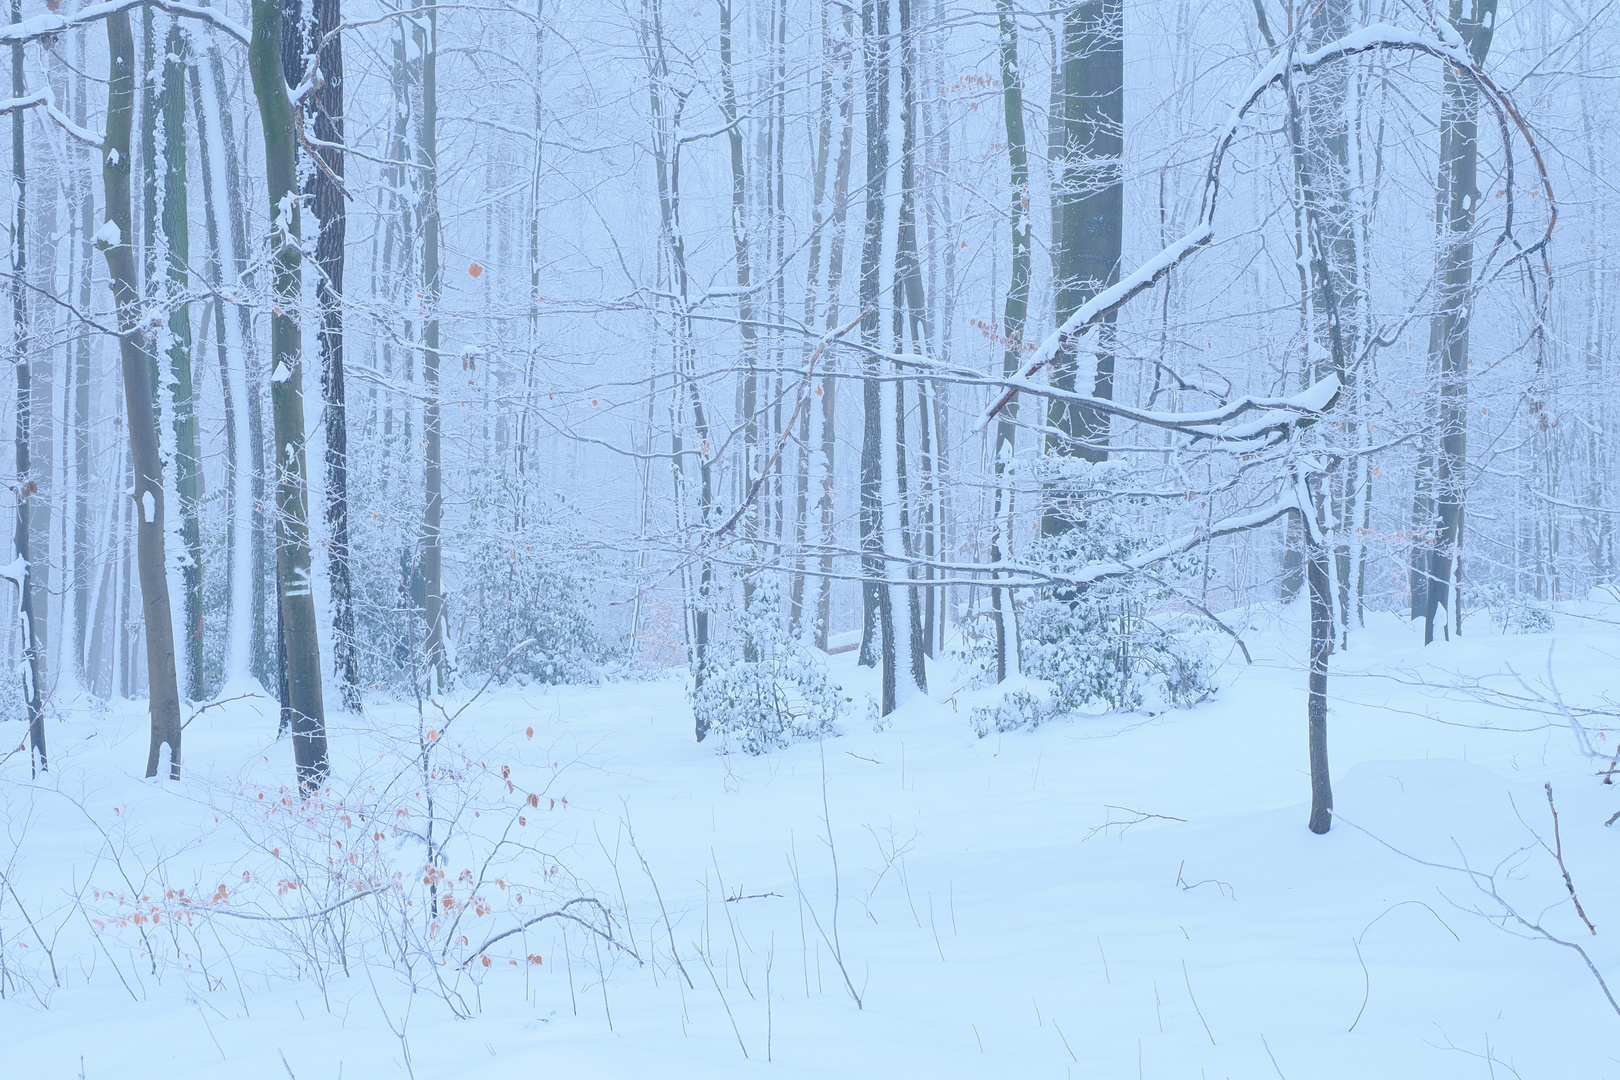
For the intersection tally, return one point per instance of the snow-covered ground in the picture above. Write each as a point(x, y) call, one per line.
point(990, 918)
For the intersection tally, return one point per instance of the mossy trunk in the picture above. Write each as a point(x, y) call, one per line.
point(147, 489)
point(301, 647)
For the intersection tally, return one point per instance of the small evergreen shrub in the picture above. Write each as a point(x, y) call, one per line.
point(766, 690)
point(540, 583)
point(1100, 644)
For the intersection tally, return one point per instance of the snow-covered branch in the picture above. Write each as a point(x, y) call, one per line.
point(52, 23)
point(1365, 39)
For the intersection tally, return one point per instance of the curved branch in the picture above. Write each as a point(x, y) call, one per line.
point(1367, 39)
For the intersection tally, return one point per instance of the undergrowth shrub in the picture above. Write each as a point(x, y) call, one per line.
point(765, 690)
point(1108, 644)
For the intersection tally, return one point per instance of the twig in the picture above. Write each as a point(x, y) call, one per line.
point(211, 704)
point(1141, 816)
point(560, 913)
point(1273, 1058)
point(1185, 977)
point(1486, 884)
point(1366, 984)
point(631, 832)
point(37, 936)
point(787, 429)
point(217, 910)
point(751, 896)
point(1558, 853)
point(837, 958)
point(1220, 886)
point(1065, 1039)
point(722, 994)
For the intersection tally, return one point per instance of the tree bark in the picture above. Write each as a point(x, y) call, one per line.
point(741, 256)
point(1316, 573)
point(877, 629)
point(1091, 196)
point(296, 600)
point(81, 391)
point(26, 487)
point(432, 421)
point(323, 128)
point(835, 280)
point(1457, 199)
point(1014, 313)
point(177, 246)
point(162, 685)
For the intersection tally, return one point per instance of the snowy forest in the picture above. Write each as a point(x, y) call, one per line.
point(1009, 495)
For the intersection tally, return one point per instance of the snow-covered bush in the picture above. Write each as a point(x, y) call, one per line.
point(765, 690)
point(1104, 644)
point(1512, 612)
point(539, 581)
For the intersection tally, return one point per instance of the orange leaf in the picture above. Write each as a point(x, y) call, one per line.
point(529, 732)
point(476, 271)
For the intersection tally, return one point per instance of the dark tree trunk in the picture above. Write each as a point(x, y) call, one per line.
point(432, 420)
point(877, 631)
point(1316, 573)
point(296, 600)
point(26, 487)
point(177, 242)
point(1457, 197)
point(1013, 315)
point(1091, 196)
point(163, 687)
point(323, 128)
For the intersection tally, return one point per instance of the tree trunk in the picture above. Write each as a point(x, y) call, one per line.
point(162, 685)
point(177, 245)
point(81, 391)
point(262, 655)
point(25, 483)
point(740, 253)
point(666, 160)
point(432, 430)
point(223, 269)
point(1013, 316)
point(1316, 573)
point(1091, 197)
point(323, 126)
point(877, 630)
point(807, 426)
point(835, 280)
point(296, 600)
point(910, 323)
point(1457, 198)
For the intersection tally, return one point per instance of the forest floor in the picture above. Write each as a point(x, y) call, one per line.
point(1110, 896)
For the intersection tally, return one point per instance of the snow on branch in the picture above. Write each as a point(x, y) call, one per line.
point(52, 23)
point(1372, 38)
point(1115, 568)
point(43, 99)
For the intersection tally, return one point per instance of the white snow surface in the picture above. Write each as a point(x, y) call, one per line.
point(992, 923)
